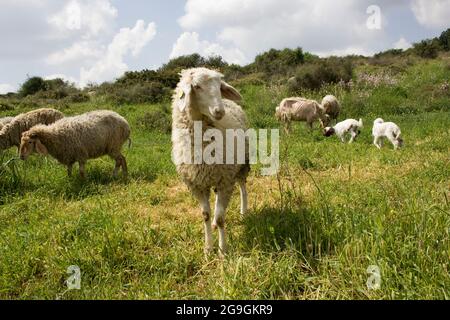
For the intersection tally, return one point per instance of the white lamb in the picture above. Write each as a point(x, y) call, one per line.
point(388, 130)
point(202, 97)
point(351, 126)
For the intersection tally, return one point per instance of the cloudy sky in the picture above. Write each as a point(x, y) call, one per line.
point(88, 41)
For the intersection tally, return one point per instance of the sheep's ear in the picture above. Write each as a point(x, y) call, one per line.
point(40, 148)
point(185, 97)
point(230, 93)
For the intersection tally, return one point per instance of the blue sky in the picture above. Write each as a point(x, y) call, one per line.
point(88, 41)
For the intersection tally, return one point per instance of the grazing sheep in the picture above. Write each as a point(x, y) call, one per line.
point(331, 107)
point(5, 121)
point(80, 138)
point(202, 97)
point(300, 109)
point(11, 133)
point(387, 130)
point(342, 128)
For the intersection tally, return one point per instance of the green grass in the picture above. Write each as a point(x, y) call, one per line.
point(311, 234)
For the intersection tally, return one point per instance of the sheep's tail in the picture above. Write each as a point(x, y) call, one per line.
point(360, 123)
point(130, 143)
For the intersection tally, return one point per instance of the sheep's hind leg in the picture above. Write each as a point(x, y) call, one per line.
point(124, 166)
point(244, 197)
point(203, 198)
point(222, 199)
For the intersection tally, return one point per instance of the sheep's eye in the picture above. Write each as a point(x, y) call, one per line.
point(30, 142)
point(197, 87)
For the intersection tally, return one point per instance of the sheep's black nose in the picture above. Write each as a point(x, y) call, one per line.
point(218, 113)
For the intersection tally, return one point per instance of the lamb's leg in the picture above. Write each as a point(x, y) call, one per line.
point(376, 142)
point(222, 199)
point(82, 169)
point(244, 197)
point(203, 198)
point(394, 142)
point(353, 136)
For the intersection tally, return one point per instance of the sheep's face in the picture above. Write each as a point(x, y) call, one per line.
point(30, 144)
point(278, 113)
point(325, 121)
point(205, 89)
point(328, 132)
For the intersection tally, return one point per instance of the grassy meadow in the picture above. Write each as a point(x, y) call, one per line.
point(311, 233)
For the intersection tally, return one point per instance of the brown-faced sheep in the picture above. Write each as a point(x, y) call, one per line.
point(300, 109)
point(80, 138)
point(11, 133)
point(331, 106)
point(202, 99)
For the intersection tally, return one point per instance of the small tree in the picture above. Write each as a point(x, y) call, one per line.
point(32, 86)
point(427, 49)
point(444, 40)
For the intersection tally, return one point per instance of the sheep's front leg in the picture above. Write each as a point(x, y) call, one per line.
point(69, 169)
point(82, 169)
point(203, 198)
point(353, 136)
point(244, 197)
point(222, 199)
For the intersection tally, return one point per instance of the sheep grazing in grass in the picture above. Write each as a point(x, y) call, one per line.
point(80, 138)
point(5, 121)
point(300, 109)
point(202, 97)
point(388, 130)
point(11, 133)
point(331, 107)
point(351, 126)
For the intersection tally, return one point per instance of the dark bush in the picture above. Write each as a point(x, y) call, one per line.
point(156, 120)
point(278, 61)
point(194, 61)
point(314, 76)
point(427, 49)
point(444, 40)
point(32, 86)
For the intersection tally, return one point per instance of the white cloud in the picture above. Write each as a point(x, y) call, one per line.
point(112, 64)
point(88, 17)
point(78, 51)
point(432, 14)
point(6, 88)
point(403, 44)
point(189, 42)
point(322, 26)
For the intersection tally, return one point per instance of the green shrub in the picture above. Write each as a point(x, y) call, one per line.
point(158, 120)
